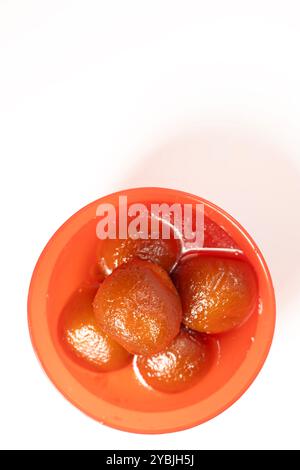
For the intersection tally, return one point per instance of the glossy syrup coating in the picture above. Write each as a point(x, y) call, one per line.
point(84, 340)
point(139, 307)
point(180, 365)
point(217, 293)
point(112, 253)
point(215, 236)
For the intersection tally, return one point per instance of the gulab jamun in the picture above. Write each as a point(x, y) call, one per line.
point(84, 340)
point(180, 365)
point(111, 253)
point(139, 307)
point(217, 293)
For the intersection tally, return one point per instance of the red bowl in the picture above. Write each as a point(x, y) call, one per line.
point(118, 399)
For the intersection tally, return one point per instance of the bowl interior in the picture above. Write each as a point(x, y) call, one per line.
point(118, 398)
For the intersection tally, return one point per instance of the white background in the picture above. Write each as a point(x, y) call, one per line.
point(96, 96)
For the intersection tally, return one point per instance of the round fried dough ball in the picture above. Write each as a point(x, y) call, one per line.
point(111, 253)
point(179, 366)
point(84, 340)
point(139, 307)
point(217, 293)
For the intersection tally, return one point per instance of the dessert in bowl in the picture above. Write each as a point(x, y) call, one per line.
point(145, 335)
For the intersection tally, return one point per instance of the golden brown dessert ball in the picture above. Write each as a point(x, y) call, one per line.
point(217, 293)
point(139, 307)
point(111, 253)
point(180, 365)
point(84, 340)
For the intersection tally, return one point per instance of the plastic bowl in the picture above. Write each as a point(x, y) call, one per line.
point(117, 398)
